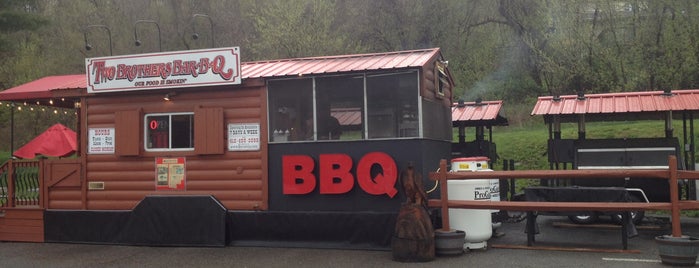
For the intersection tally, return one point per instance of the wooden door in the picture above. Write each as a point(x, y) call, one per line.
point(63, 182)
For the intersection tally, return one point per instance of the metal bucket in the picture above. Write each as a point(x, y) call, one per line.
point(677, 251)
point(449, 243)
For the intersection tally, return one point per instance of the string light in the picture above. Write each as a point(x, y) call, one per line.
point(30, 106)
point(51, 101)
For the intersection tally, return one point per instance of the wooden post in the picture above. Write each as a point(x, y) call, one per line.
point(443, 194)
point(674, 197)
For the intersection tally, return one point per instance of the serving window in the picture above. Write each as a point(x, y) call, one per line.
point(340, 107)
point(291, 110)
point(345, 107)
point(173, 131)
point(392, 105)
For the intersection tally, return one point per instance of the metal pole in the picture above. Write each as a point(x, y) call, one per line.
point(668, 124)
point(12, 128)
point(692, 149)
point(684, 141)
point(692, 160)
point(513, 190)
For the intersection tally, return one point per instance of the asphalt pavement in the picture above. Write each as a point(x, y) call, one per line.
point(575, 244)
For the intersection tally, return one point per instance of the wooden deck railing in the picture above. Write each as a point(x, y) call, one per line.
point(672, 174)
point(20, 184)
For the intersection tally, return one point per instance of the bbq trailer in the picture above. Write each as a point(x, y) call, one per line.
point(196, 148)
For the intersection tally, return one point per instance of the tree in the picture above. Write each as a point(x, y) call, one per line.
point(514, 50)
point(17, 20)
point(296, 28)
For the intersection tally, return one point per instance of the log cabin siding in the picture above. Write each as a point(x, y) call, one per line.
point(65, 199)
point(436, 105)
point(428, 86)
point(238, 179)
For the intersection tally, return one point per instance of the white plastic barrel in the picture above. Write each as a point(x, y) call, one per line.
point(478, 163)
point(475, 223)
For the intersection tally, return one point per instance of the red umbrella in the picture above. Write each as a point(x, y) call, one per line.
point(56, 141)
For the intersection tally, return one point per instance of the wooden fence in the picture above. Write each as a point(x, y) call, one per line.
point(20, 184)
point(21, 201)
point(672, 174)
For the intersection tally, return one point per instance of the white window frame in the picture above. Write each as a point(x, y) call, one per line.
point(146, 129)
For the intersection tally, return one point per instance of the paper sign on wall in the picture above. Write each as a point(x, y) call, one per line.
point(170, 173)
point(244, 137)
point(100, 141)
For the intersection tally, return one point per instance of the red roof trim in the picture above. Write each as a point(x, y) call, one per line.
point(625, 102)
point(338, 64)
point(41, 88)
point(472, 112)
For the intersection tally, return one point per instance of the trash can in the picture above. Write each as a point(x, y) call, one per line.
point(476, 223)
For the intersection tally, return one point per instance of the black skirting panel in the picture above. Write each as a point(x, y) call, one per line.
point(82, 226)
point(155, 221)
point(159, 224)
point(322, 229)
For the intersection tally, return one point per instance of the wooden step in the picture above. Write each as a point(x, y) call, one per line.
point(22, 224)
